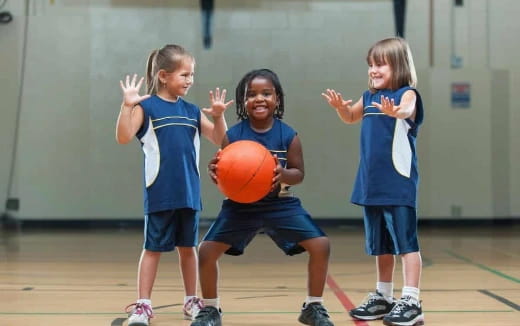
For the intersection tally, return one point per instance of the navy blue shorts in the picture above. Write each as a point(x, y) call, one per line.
point(390, 230)
point(163, 231)
point(287, 232)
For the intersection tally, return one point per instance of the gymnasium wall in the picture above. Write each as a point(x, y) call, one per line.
point(67, 164)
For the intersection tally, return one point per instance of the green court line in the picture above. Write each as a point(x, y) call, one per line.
point(484, 267)
point(226, 312)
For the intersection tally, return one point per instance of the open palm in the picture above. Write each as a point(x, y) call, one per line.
point(387, 106)
point(131, 89)
point(335, 99)
point(218, 103)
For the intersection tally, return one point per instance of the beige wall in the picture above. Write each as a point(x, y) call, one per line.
point(69, 166)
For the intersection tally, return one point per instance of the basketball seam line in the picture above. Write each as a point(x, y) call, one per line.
point(252, 176)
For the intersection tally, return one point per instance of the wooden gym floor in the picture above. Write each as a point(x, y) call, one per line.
point(471, 276)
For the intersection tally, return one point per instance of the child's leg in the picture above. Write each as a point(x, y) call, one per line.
point(385, 268)
point(209, 253)
point(385, 272)
point(141, 312)
point(412, 266)
point(189, 270)
point(408, 310)
point(188, 266)
point(313, 312)
point(319, 252)
point(147, 272)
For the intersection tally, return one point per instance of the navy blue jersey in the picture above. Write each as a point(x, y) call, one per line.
point(277, 140)
point(170, 139)
point(388, 173)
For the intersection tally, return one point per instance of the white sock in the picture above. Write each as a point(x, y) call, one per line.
point(386, 289)
point(212, 302)
point(188, 298)
point(145, 301)
point(310, 299)
point(410, 291)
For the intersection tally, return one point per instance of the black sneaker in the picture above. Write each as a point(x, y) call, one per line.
point(315, 314)
point(208, 316)
point(374, 307)
point(407, 312)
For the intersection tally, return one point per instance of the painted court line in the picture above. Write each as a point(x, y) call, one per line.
point(343, 298)
point(481, 266)
point(501, 299)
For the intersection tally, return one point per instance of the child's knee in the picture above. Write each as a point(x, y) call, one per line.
point(150, 253)
point(317, 246)
point(211, 251)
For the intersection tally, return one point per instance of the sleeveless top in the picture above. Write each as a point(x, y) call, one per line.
point(170, 140)
point(388, 171)
point(278, 203)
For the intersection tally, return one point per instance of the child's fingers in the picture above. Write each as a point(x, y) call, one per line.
point(212, 171)
point(140, 83)
point(215, 158)
point(377, 105)
point(326, 97)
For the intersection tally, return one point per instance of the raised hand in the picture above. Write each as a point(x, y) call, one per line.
point(335, 100)
point(218, 103)
point(131, 89)
point(387, 106)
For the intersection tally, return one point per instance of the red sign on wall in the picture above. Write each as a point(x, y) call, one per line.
point(460, 95)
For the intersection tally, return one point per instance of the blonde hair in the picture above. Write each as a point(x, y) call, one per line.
point(168, 58)
point(396, 53)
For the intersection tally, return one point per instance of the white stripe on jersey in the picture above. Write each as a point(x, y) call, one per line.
point(196, 143)
point(401, 150)
point(175, 124)
point(174, 117)
point(152, 156)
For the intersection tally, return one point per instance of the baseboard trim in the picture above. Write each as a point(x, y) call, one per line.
point(130, 223)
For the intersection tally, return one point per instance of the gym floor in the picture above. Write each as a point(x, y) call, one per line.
point(80, 277)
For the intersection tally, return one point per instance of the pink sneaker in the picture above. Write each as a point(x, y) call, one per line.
point(192, 307)
point(139, 314)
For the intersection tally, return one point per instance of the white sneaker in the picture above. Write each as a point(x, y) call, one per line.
point(139, 315)
point(191, 308)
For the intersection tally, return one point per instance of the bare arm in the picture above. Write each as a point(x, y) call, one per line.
point(216, 130)
point(129, 121)
point(294, 172)
point(347, 112)
point(405, 109)
point(131, 115)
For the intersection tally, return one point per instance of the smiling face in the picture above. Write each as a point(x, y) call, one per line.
point(178, 82)
point(379, 74)
point(261, 100)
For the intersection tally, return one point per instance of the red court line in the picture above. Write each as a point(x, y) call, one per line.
point(342, 297)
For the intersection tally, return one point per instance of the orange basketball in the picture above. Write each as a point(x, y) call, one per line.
point(245, 171)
